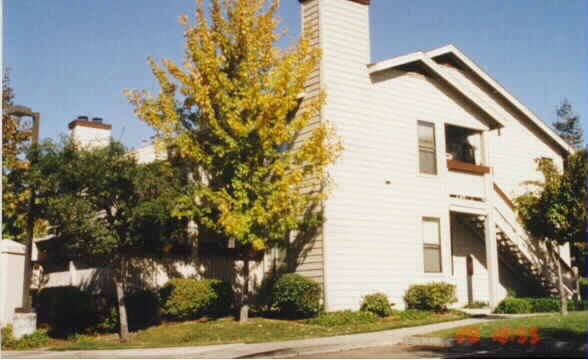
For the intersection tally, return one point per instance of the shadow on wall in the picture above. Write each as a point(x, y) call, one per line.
point(472, 244)
point(149, 273)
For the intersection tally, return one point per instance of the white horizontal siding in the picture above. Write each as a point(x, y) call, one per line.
point(369, 223)
point(514, 151)
point(466, 184)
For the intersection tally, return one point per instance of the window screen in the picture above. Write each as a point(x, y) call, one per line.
point(427, 153)
point(432, 245)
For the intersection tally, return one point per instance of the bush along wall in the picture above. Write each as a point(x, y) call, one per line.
point(295, 296)
point(534, 305)
point(88, 313)
point(378, 304)
point(187, 299)
point(435, 296)
point(69, 310)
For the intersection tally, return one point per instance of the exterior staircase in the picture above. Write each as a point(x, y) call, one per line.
point(544, 277)
point(526, 257)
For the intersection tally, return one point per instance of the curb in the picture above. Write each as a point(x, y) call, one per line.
point(314, 349)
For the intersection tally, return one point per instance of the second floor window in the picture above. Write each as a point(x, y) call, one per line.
point(427, 153)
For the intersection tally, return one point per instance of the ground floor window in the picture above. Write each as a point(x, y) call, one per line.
point(432, 244)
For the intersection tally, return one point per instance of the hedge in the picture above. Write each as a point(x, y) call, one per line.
point(514, 306)
point(435, 296)
point(295, 296)
point(534, 305)
point(88, 313)
point(187, 299)
point(69, 310)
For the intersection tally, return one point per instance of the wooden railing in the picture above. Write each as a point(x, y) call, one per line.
point(504, 197)
point(508, 217)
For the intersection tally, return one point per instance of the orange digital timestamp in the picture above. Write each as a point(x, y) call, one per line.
point(501, 335)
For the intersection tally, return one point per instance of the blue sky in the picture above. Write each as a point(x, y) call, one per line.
point(74, 57)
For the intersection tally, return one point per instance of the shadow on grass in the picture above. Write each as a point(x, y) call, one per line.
point(492, 350)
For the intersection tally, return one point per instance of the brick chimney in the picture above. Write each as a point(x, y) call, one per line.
point(90, 133)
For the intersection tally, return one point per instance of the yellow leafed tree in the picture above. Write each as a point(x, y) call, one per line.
point(232, 111)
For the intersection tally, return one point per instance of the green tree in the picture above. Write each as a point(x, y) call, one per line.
point(568, 125)
point(235, 114)
point(108, 209)
point(556, 211)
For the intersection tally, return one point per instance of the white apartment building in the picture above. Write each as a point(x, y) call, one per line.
point(435, 151)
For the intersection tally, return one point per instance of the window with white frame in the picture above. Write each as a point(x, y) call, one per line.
point(427, 152)
point(431, 244)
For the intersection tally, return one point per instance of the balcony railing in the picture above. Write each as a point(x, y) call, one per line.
point(456, 165)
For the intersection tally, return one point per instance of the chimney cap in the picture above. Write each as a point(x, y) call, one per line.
point(84, 122)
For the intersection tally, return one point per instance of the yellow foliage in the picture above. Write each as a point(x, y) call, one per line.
point(230, 109)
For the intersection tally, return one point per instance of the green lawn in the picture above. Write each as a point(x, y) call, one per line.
point(226, 331)
point(573, 327)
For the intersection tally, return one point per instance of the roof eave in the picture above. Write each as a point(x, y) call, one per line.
point(422, 58)
point(453, 50)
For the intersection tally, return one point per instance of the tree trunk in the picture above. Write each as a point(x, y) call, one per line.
point(562, 297)
point(122, 309)
point(244, 311)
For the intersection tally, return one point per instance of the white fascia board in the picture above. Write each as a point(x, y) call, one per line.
point(434, 67)
point(481, 104)
point(397, 61)
point(502, 91)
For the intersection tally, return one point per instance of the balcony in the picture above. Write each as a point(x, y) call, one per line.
point(465, 171)
point(465, 167)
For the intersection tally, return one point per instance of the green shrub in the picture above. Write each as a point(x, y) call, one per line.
point(186, 299)
point(414, 314)
point(36, 339)
point(576, 305)
point(295, 296)
point(6, 337)
point(476, 305)
point(514, 306)
point(435, 296)
point(143, 310)
point(344, 317)
point(88, 313)
point(535, 305)
point(83, 310)
point(378, 304)
point(539, 305)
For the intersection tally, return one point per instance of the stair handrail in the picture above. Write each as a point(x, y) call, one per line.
point(515, 236)
point(519, 235)
point(506, 209)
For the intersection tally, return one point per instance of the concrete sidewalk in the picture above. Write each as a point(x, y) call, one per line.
point(278, 349)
